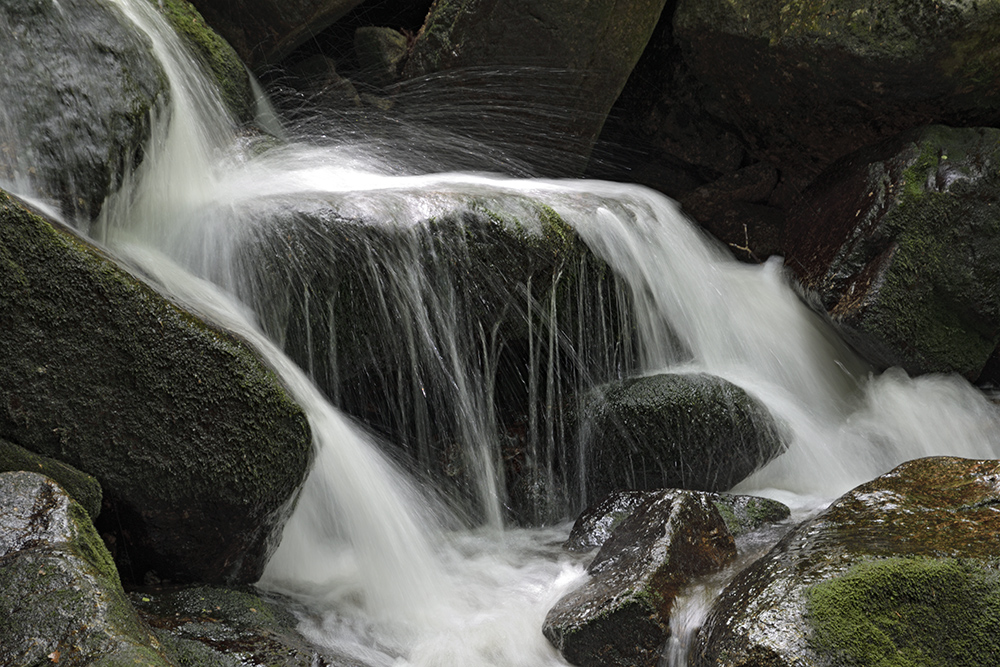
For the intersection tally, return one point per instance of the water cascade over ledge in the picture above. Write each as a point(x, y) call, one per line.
point(391, 570)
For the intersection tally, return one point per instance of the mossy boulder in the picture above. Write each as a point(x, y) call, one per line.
point(219, 58)
point(472, 326)
point(79, 82)
point(899, 571)
point(83, 488)
point(620, 617)
point(198, 448)
point(551, 68)
point(263, 32)
point(900, 245)
point(228, 627)
point(688, 431)
point(805, 82)
point(61, 601)
point(741, 514)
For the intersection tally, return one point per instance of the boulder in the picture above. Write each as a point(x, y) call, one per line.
point(741, 514)
point(78, 84)
point(805, 83)
point(82, 487)
point(900, 245)
point(198, 448)
point(265, 31)
point(901, 570)
point(541, 74)
point(61, 601)
point(381, 53)
point(689, 431)
point(621, 616)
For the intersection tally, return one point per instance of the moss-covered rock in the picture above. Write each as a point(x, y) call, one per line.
point(808, 81)
point(901, 245)
point(83, 488)
point(552, 69)
point(61, 601)
point(210, 626)
point(688, 431)
point(78, 85)
point(219, 58)
point(900, 571)
point(620, 617)
point(197, 447)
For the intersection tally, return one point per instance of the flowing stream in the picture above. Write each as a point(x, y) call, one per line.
point(388, 571)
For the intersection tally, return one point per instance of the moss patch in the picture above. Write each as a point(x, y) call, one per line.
point(903, 612)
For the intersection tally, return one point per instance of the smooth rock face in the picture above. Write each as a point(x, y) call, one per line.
point(900, 244)
point(808, 82)
point(60, 597)
point(901, 570)
point(78, 84)
point(265, 31)
point(691, 431)
point(557, 64)
point(198, 448)
point(621, 615)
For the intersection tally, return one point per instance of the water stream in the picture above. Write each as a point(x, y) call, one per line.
point(390, 573)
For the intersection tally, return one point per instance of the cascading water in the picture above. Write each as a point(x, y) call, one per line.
point(387, 572)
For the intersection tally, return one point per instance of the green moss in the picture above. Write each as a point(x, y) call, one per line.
point(81, 486)
point(217, 55)
point(900, 612)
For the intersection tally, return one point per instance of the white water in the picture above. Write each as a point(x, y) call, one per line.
point(374, 556)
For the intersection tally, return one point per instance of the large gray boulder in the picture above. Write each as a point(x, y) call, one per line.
point(900, 246)
point(61, 601)
point(79, 82)
point(902, 570)
point(198, 448)
point(688, 431)
point(542, 74)
point(620, 617)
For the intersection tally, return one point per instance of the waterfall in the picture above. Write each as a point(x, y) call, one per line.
point(390, 572)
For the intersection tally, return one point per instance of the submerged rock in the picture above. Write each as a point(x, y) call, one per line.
point(78, 84)
point(620, 616)
point(551, 69)
point(900, 244)
point(61, 601)
point(901, 570)
point(198, 448)
point(690, 431)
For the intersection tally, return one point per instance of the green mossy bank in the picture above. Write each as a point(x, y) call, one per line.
point(198, 448)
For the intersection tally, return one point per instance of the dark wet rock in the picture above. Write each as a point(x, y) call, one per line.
point(381, 53)
point(265, 31)
point(317, 78)
point(219, 58)
point(741, 514)
point(82, 487)
point(690, 431)
point(60, 597)
point(228, 627)
point(485, 295)
point(804, 83)
point(620, 616)
point(901, 570)
point(196, 445)
point(542, 74)
point(78, 85)
point(900, 245)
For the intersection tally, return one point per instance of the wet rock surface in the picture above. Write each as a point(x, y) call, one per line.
point(694, 431)
point(900, 245)
point(901, 570)
point(78, 85)
point(61, 601)
point(620, 616)
point(83, 488)
point(197, 447)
